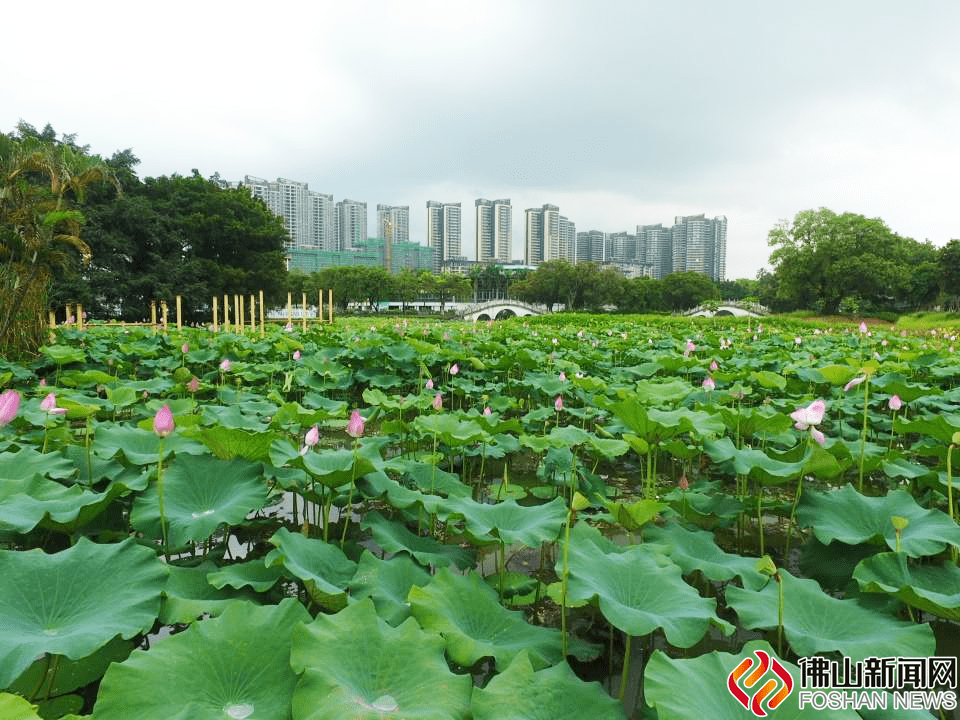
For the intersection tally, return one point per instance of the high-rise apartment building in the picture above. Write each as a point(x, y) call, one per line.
point(351, 219)
point(700, 245)
point(591, 246)
point(657, 243)
point(549, 235)
point(443, 232)
point(494, 235)
point(307, 215)
point(394, 221)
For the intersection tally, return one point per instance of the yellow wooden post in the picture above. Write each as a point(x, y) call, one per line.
point(153, 312)
point(289, 308)
point(52, 319)
point(253, 315)
point(330, 303)
point(79, 316)
point(179, 314)
point(241, 314)
point(216, 324)
point(226, 313)
point(303, 320)
point(320, 307)
point(163, 313)
point(262, 329)
point(68, 309)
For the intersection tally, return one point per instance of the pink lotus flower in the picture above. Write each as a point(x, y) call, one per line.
point(714, 366)
point(709, 384)
point(429, 384)
point(810, 417)
point(895, 403)
point(185, 348)
point(225, 365)
point(194, 384)
point(355, 426)
point(9, 404)
point(563, 377)
point(49, 404)
point(558, 403)
point(487, 411)
point(853, 383)
point(437, 402)
point(296, 355)
point(863, 327)
point(454, 369)
point(163, 423)
point(684, 483)
point(310, 439)
point(43, 382)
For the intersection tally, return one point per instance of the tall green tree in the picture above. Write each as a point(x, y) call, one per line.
point(686, 290)
point(41, 182)
point(823, 260)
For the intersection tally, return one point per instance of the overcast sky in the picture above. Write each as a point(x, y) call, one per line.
point(620, 112)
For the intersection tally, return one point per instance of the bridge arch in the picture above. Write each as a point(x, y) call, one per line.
point(500, 310)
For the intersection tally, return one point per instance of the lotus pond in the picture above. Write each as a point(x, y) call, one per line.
point(562, 517)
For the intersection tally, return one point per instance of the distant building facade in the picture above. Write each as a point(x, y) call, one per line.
point(443, 233)
point(308, 215)
point(393, 221)
point(494, 230)
point(549, 236)
point(351, 226)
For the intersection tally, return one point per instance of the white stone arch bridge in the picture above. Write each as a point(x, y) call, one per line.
point(500, 310)
point(728, 308)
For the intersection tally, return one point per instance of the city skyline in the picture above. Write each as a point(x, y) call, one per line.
point(694, 243)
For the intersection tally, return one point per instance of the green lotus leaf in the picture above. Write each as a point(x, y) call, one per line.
point(388, 583)
point(521, 693)
point(14, 707)
point(75, 601)
point(832, 565)
point(665, 392)
point(815, 622)
point(474, 625)
point(852, 518)
point(229, 443)
point(633, 516)
point(27, 462)
point(751, 461)
point(71, 674)
point(769, 380)
point(940, 427)
point(141, 447)
point(237, 417)
point(568, 436)
point(530, 525)
point(696, 550)
point(379, 485)
point(233, 666)
point(25, 503)
point(200, 493)
point(932, 588)
point(449, 429)
point(428, 477)
point(189, 594)
point(680, 689)
point(354, 665)
point(394, 537)
point(323, 567)
point(63, 354)
point(334, 468)
point(251, 573)
point(895, 466)
point(691, 421)
point(629, 600)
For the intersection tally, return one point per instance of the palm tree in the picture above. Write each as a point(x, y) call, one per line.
point(39, 226)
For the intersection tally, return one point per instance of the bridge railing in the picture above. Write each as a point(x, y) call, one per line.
point(465, 310)
point(750, 306)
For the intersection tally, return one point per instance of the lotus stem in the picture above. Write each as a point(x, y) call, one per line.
point(163, 514)
point(353, 482)
point(563, 580)
point(953, 548)
point(863, 431)
point(626, 667)
point(793, 512)
point(779, 580)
